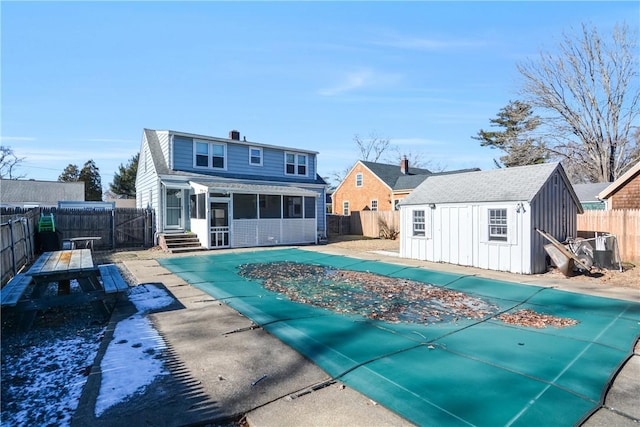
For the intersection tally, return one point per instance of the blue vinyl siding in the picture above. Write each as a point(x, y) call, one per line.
point(237, 161)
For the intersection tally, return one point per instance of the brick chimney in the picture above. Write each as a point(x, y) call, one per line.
point(404, 165)
point(234, 134)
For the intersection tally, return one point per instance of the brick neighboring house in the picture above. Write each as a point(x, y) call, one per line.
point(378, 186)
point(624, 192)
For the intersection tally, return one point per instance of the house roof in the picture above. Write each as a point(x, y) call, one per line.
point(589, 192)
point(258, 188)
point(621, 181)
point(396, 180)
point(497, 185)
point(237, 141)
point(391, 173)
point(163, 169)
point(44, 193)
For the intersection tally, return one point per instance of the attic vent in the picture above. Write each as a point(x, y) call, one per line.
point(234, 134)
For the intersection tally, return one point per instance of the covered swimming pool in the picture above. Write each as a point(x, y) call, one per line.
point(446, 370)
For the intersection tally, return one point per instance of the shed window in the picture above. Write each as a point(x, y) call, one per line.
point(419, 223)
point(358, 180)
point(498, 225)
point(374, 205)
point(345, 208)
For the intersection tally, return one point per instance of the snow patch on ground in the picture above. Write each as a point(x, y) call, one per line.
point(44, 370)
point(133, 359)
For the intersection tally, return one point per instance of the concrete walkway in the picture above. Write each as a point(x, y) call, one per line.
point(224, 368)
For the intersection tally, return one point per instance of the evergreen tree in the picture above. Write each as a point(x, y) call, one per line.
point(70, 174)
point(90, 174)
point(124, 181)
point(516, 139)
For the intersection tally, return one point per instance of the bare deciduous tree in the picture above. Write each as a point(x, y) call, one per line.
point(8, 163)
point(373, 148)
point(591, 89)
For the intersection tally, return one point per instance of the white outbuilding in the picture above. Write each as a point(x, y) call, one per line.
point(488, 219)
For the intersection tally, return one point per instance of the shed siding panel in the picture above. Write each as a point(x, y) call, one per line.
point(553, 211)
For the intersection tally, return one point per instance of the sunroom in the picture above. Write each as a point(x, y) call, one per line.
point(235, 215)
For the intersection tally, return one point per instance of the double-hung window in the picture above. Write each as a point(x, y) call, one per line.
point(255, 156)
point(419, 223)
point(498, 225)
point(345, 208)
point(210, 155)
point(358, 180)
point(296, 164)
point(374, 205)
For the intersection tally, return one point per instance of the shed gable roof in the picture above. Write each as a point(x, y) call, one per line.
point(496, 185)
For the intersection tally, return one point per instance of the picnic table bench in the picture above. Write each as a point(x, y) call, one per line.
point(99, 285)
point(14, 289)
point(112, 280)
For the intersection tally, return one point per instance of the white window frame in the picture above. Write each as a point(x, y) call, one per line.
point(359, 179)
point(296, 163)
point(419, 223)
point(210, 146)
point(498, 227)
point(251, 156)
point(374, 204)
point(345, 208)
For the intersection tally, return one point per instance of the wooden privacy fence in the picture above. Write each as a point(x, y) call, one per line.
point(117, 228)
point(17, 249)
point(623, 223)
point(373, 223)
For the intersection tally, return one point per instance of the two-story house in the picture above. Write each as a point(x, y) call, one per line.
point(230, 192)
point(379, 186)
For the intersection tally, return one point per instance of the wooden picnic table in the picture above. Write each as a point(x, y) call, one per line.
point(61, 267)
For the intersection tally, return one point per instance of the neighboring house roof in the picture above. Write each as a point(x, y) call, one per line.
point(620, 182)
point(162, 168)
point(45, 193)
point(392, 175)
point(496, 185)
point(589, 192)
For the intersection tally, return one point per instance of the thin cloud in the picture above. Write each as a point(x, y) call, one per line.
point(16, 138)
point(428, 44)
point(361, 79)
point(416, 141)
point(116, 140)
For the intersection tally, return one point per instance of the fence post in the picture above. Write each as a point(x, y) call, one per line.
point(13, 249)
point(113, 229)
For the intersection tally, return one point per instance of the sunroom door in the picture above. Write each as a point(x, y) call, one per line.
point(173, 209)
point(219, 224)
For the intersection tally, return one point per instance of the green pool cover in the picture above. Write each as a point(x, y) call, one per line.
point(480, 372)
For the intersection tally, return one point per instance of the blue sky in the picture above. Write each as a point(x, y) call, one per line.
point(80, 80)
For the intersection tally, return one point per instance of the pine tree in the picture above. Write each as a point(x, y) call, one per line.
point(516, 139)
point(70, 174)
point(124, 181)
point(90, 174)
